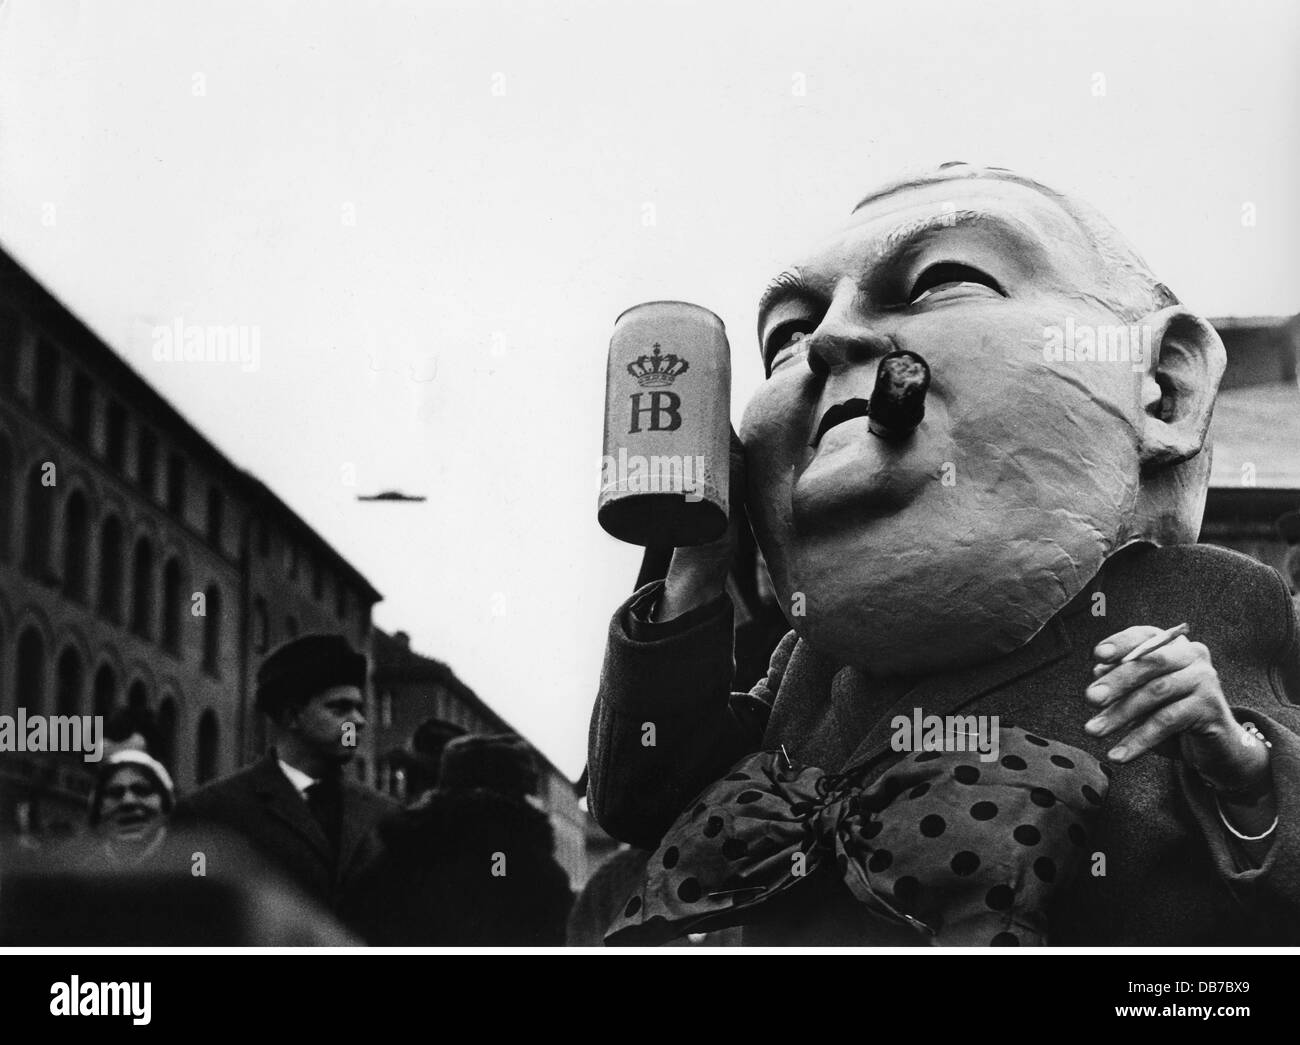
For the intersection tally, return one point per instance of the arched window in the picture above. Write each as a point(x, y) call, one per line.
point(142, 589)
point(76, 544)
point(216, 515)
point(167, 732)
point(137, 697)
point(110, 570)
point(11, 349)
point(173, 605)
point(146, 461)
point(212, 630)
point(6, 498)
point(39, 519)
point(206, 763)
point(115, 447)
point(46, 397)
point(29, 674)
point(261, 626)
point(70, 675)
point(176, 490)
point(105, 691)
point(83, 407)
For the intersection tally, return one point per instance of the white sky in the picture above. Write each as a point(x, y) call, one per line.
point(452, 341)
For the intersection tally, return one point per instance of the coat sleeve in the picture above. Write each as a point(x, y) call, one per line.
point(666, 723)
point(1269, 891)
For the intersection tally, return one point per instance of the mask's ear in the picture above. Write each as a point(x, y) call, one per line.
point(1178, 390)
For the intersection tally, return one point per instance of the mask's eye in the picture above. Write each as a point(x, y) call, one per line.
point(948, 275)
point(785, 342)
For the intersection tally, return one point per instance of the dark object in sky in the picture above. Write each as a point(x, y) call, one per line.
point(392, 495)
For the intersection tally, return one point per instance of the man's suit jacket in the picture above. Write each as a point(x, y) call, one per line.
point(261, 805)
point(1173, 875)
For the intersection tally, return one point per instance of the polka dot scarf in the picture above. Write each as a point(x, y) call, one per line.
point(962, 852)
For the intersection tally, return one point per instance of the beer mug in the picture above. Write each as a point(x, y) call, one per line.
point(667, 444)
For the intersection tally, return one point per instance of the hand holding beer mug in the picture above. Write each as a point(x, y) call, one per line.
point(667, 436)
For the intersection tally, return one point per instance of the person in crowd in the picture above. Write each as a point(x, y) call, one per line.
point(471, 864)
point(423, 761)
point(129, 807)
point(295, 806)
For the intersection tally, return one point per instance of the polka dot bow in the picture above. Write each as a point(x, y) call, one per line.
point(949, 849)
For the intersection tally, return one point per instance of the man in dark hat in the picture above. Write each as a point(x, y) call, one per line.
point(472, 863)
point(295, 806)
point(421, 764)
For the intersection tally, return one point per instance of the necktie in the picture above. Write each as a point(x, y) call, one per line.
point(963, 851)
point(325, 800)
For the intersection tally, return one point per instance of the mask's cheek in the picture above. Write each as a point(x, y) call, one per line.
point(1044, 430)
point(771, 432)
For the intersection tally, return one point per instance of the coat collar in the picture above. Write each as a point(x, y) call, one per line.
point(949, 691)
point(283, 802)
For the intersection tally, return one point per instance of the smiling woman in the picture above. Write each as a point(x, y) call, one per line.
point(129, 806)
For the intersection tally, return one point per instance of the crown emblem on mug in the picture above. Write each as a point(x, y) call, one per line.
point(657, 369)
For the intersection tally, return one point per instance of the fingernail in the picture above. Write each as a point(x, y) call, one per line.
point(1117, 754)
point(1095, 725)
point(1097, 691)
point(1105, 650)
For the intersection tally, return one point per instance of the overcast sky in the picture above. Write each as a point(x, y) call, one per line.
point(433, 213)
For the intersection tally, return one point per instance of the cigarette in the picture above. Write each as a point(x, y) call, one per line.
point(1152, 644)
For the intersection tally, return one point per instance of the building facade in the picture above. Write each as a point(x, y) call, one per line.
point(138, 565)
point(1255, 475)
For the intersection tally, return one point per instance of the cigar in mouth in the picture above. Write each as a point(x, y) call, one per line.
point(897, 403)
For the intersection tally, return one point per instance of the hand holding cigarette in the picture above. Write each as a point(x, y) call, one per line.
point(1154, 689)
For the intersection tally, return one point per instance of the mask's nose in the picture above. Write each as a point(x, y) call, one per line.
point(898, 400)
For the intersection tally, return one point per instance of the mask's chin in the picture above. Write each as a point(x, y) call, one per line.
point(922, 600)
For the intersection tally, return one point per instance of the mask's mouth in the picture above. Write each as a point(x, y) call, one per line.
point(838, 414)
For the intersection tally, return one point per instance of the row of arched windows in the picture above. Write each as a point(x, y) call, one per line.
point(33, 683)
point(146, 592)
